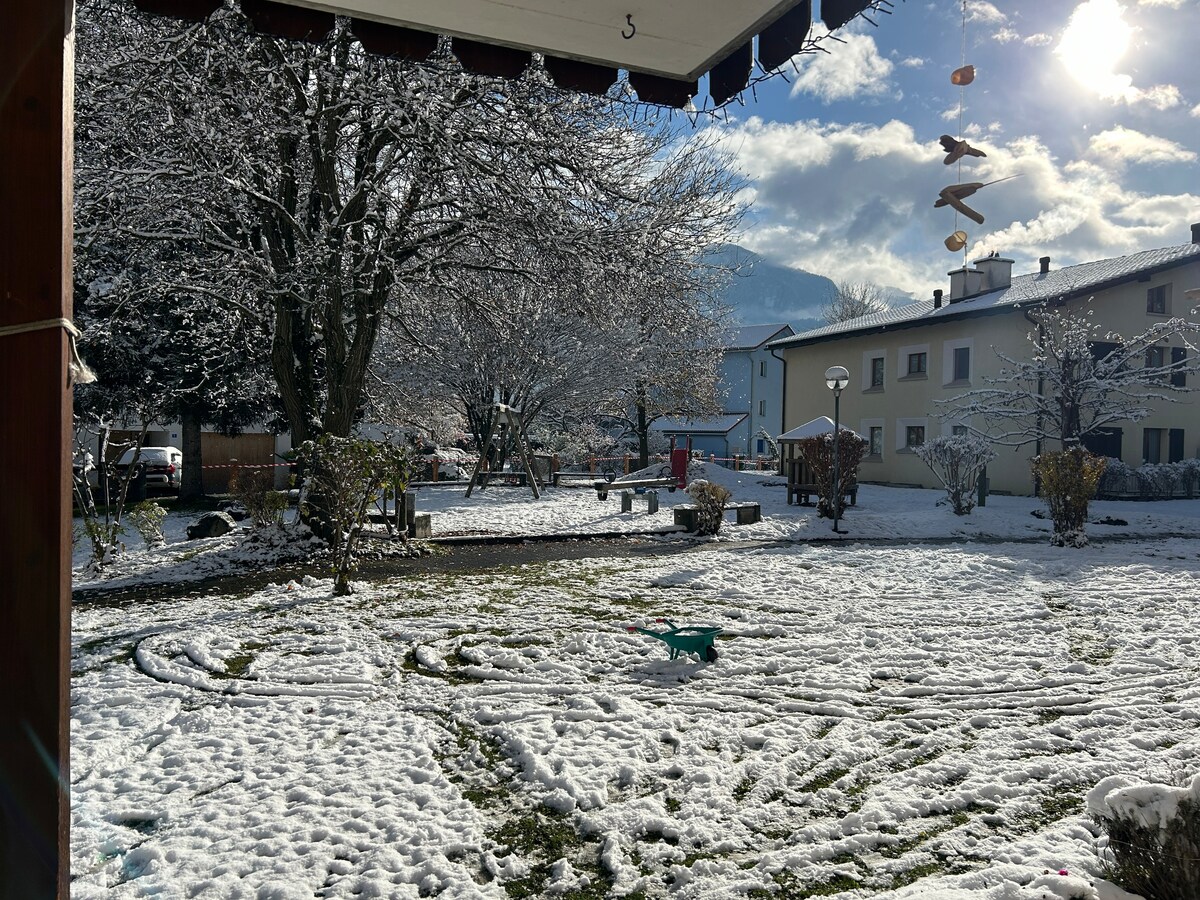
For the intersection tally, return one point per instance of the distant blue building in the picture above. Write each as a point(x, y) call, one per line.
point(752, 380)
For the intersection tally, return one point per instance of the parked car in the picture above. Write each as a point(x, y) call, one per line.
point(163, 465)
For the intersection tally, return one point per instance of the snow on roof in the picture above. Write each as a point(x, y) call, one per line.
point(819, 425)
point(751, 337)
point(1070, 281)
point(716, 425)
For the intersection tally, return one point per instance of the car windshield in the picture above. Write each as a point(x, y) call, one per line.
point(149, 455)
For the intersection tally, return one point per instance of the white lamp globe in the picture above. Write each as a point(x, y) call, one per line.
point(836, 378)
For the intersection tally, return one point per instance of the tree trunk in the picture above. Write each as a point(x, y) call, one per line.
point(642, 428)
point(191, 484)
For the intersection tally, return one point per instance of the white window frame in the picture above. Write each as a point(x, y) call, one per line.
point(867, 357)
point(902, 362)
point(1166, 290)
point(948, 349)
point(865, 426)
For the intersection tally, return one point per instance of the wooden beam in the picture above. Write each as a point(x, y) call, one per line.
point(36, 70)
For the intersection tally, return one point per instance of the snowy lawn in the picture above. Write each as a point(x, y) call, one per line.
point(885, 720)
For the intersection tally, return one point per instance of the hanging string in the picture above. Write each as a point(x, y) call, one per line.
point(962, 99)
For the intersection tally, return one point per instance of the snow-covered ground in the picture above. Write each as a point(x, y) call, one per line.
point(896, 719)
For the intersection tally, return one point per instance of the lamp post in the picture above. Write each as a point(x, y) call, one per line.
point(836, 379)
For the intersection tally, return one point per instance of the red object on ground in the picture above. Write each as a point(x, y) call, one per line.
point(679, 461)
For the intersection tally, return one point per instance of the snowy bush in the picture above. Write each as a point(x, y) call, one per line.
point(817, 453)
point(147, 517)
point(958, 462)
point(710, 505)
point(1153, 837)
point(1159, 480)
point(1069, 480)
point(343, 476)
point(253, 488)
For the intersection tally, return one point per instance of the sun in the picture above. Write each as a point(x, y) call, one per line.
point(1095, 39)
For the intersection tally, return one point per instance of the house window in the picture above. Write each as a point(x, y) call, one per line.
point(760, 446)
point(1152, 445)
point(1158, 300)
point(914, 436)
point(917, 363)
point(762, 367)
point(762, 407)
point(958, 431)
point(877, 440)
point(877, 371)
point(962, 363)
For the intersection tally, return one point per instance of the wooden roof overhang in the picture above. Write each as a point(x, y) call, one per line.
point(665, 47)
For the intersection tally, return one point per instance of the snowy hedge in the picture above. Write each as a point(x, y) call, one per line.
point(1153, 836)
point(958, 462)
point(1151, 481)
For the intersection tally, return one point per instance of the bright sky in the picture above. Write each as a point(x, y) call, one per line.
point(1090, 102)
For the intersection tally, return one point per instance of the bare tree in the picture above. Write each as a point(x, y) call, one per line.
point(1078, 380)
point(851, 299)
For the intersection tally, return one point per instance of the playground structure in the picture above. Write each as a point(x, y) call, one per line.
point(505, 416)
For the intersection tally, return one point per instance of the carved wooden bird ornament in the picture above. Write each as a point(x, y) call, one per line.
point(956, 149)
point(953, 196)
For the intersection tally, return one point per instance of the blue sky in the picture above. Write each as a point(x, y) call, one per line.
point(1094, 103)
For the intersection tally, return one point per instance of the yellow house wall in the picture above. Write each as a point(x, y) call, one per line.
point(906, 399)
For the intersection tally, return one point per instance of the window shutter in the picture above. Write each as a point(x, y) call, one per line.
point(1175, 448)
point(1178, 356)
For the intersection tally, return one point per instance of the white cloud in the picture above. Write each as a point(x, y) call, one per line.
point(853, 69)
point(1170, 4)
point(1041, 39)
point(913, 62)
point(982, 11)
point(1120, 146)
point(1196, 111)
point(856, 201)
point(1161, 96)
point(1005, 36)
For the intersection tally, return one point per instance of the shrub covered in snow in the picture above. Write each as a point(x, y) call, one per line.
point(1153, 836)
point(817, 453)
point(147, 517)
point(343, 478)
point(1069, 480)
point(958, 462)
point(710, 500)
point(254, 489)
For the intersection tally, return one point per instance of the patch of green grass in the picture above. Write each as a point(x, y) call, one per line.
point(823, 780)
point(824, 730)
point(672, 804)
point(916, 873)
point(236, 665)
point(742, 789)
point(788, 886)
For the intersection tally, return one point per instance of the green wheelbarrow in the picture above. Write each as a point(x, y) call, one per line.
point(688, 639)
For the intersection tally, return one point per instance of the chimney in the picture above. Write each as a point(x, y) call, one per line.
point(996, 272)
point(964, 283)
point(937, 299)
point(1044, 262)
point(1196, 233)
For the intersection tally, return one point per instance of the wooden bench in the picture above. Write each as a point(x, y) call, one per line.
point(745, 514)
point(802, 483)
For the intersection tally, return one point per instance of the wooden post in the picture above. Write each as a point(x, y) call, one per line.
point(626, 463)
point(36, 71)
point(433, 468)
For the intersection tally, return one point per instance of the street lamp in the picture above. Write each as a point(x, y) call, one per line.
point(836, 379)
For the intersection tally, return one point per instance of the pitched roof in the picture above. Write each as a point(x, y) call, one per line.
point(818, 426)
point(1025, 290)
point(751, 337)
point(716, 425)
